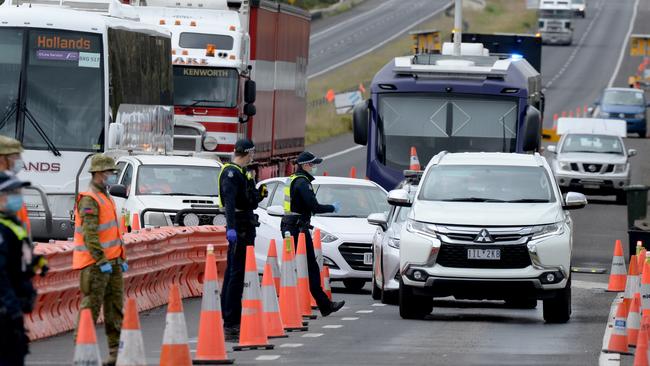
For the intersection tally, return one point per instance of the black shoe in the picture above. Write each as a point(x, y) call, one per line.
point(231, 334)
point(334, 307)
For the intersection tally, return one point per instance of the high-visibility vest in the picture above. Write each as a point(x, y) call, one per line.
point(110, 237)
point(18, 230)
point(226, 165)
point(23, 217)
point(287, 192)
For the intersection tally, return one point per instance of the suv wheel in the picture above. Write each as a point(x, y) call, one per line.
point(558, 308)
point(522, 303)
point(354, 284)
point(390, 297)
point(376, 291)
point(412, 306)
point(621, 198)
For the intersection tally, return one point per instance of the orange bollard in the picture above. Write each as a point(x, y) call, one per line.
point(86, 351)
point(325, 173)
point(353, 172)
point(131, 351)
point(272, 259)
point(175, 349)
point(618, 273)
point(414, 162)
point(318, 251)
point(304, 295)
point(135, 222)
point(270, 306)
point(211, 347)
point(578, 111)
point(289, 303)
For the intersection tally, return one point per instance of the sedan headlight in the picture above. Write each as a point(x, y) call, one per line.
point(422, 228)
point(393, 242)
point(564, 166)
point(544, 231)
point(620, 168)
point(326, 237)
point(604, 115)
point(155, 219)
point(639, 115)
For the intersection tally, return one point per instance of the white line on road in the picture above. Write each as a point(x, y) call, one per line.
point(624, 48)
point(378, 304)
point(267, 358)
point(291, 345)
point(364, 311)
point(312, 335)
point(609, 359)
point(342, 152)
point(350, 318)
point(332, 326)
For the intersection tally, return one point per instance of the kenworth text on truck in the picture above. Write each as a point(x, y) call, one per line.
point(64, 74)
point(234, 60)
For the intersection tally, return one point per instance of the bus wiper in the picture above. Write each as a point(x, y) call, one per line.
point(39, 129)
point(473, 199)
point(196, 102)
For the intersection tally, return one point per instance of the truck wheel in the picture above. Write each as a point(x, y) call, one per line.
point(643, 134)
point(376, 291)
point(412, 306)
point(390, 297)
point(621, 198)
point(522, 303)
point(558, 308)
point(354, 284)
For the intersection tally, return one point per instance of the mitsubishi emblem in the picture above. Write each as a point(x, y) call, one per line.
point(483, 237)
point(592, 168)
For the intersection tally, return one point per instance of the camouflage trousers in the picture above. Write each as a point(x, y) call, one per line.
point(106, 289)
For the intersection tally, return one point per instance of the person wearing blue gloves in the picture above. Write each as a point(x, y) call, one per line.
point(238, 197)
point(300, 204)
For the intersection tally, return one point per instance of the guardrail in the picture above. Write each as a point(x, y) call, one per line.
point(157, 258)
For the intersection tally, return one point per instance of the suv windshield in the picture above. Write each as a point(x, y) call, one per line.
point(485, 183)
point(592, 144)
point(167, 180)
point(205, 87)
point(623, 97)
point(356, 201)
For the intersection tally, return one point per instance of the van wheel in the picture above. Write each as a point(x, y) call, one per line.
point(412, 306)
point(558, 308)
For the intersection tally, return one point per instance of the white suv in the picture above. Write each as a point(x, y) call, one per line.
point(487, 226)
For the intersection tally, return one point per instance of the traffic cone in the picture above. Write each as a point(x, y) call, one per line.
point(289, 303)
point(318, 250)
point(634, 321)
point(617, 275)
point(303, 279)
point(325, 173)
point(131, 351)
point(641, 258)
point(252, 334)
point(414, 163)
point(353, 172)
point(327, 287)
point(272, 259)
point(645, 290)
point(618, 339)
point(632, 283)
point(270, 306)
point(175, 349)
point(641, 352)
point(563, 114)
point(136, 222)
point(211, 346)
point(86, 351)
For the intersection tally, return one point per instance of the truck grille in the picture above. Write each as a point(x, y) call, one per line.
point(353, 255)
point(455, 256)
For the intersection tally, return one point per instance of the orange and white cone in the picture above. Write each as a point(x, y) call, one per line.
point(289, 302)
point(634, 321)
point(353, 172)
point(270, 306)
point(632, 282)
point(641, 258)
point(303, 278)
point(86, 351)
point(414, 162)
point(645, 290)
point(135, 222)
point(175, 349)
point(618, 339)
point(318, 251)
point(252, 334)
point(272, 259)
point(641, 352)
point(211, 346)
point(327, 287)
point(618, 273)
point(131, 351)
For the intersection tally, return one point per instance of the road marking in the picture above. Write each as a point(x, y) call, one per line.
point(333, 326)
point(624, 48)
point(364, 311)
point(378, 304)
point(345, 308)
point(312, 335)
point(382, 43)
point(609, 359)
point(350, 318)
point(267, 358)
point(291, 345)
point(343, 152)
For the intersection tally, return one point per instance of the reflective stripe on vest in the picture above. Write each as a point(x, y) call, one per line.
point(110, 237)
point(287, 192)
point(18, 230)
point(226, 165)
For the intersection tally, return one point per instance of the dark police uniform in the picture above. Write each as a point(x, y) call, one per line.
point(300, 205)
point(239, 197)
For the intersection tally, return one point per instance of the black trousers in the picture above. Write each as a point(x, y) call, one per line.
point(315, 288)
point(233, 280)
point(14, 344)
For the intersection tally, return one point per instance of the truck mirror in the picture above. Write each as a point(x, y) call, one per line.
point(532, 131)
point(249, 109)
point(360, 122)
point(250, 91)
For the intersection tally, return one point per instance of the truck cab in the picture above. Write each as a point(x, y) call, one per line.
point(556, 22)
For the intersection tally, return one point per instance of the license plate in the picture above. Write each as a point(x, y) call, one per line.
point(367, 258)
point(488, 254)
point(591, 186)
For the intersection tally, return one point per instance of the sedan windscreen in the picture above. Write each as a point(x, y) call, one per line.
point(356, 201)
point(623, 97)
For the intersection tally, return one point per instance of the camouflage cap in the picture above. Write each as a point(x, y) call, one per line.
point(10, 146)
point(101, 163)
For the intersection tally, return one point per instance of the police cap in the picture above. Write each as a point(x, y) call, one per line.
point(306, 157)
point(244, 146)
point(101, 163)
point(9, 182)
point(10, 146)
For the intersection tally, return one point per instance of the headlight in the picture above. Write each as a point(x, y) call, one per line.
point(639, 115)
point(326, 237)
point(219, 220)
point(422, 228)
point(210, 143)
point(564, 166)
point(620, 168)
point(393, 243)
point(155, 219)
point(604, 115)
point(543, 231)
point(191, 220)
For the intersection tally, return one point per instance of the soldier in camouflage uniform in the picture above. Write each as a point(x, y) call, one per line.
point(102, 270)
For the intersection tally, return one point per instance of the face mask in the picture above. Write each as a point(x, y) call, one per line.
point(19, 165)
point(314, 170)
point(111, 179)
point(14, 203)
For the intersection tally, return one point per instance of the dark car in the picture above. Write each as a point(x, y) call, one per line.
point(627, 104)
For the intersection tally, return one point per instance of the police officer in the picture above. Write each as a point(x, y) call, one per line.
point(99, 252)
point(299, 205)
point(239, 197)
point(11, 161)
point(17, 293)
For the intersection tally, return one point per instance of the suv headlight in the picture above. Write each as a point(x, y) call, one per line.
point(604, 115)
point(544, 231)
point(422, 228)
point(564, 166)
point(155, 219)
point(326, 237)
point(620, 168)
point(393, 243)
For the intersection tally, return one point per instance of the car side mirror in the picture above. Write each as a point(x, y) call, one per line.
point(378, 219)
point(277, 211)
point(631, 152)
point(552, 149)
point(361, 122)
point(399, 197)
point(574, 201)
point(118, 190)
point(250, 91)
point(590, 110)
